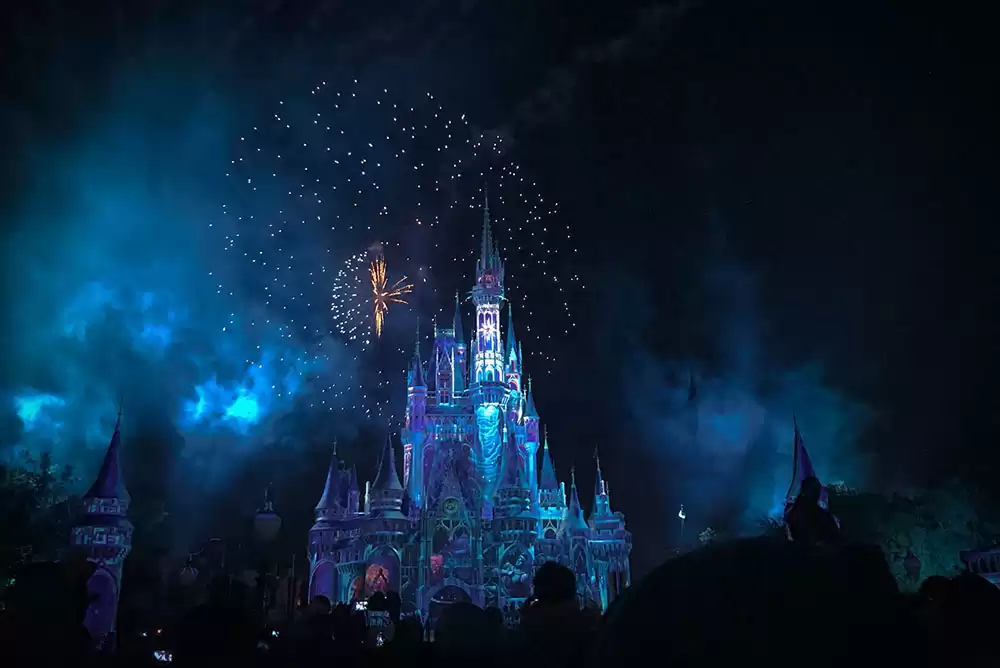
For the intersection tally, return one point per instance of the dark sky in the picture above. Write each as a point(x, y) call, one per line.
point(836, 156)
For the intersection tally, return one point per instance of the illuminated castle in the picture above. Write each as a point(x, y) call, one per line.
point(472, 517)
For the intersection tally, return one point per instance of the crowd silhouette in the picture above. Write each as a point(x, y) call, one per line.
point(811, 599)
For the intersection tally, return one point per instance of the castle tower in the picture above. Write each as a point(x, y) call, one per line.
point(460, 364)
point(487, 295)
point(488, 389)
point(512, 359)
point(514, 524)
point(330, 507)
point(414, 431)
point(329, 514)
point(610, 545)
point(353, 493)
point(576, 534)
point(513, 488)
point(386, 496)
point(529, 418)
point(104, 533)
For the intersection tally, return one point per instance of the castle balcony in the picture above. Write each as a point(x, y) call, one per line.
point(984, 563)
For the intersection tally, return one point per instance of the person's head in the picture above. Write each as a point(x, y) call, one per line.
point(319, 605)
point(494, 616)
point(463, 629)
point(554, 583)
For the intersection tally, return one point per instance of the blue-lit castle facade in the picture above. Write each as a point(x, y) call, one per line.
point(473, 514)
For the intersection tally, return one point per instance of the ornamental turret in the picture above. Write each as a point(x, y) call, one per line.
point(514, 488)
point(461, 371)
point(610, 546)
point(577, 534)
point(330, 507)
point(529, 419)
point(104, 534)
point(487, 294)
point(353, 493)
point(414, 430)
point(386, 496)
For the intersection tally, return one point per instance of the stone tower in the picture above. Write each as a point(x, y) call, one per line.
point(104, 534)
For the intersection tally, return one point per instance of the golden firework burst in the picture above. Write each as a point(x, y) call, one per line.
point(384, 294)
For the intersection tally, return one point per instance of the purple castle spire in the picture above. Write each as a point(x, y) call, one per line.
point(104, 534)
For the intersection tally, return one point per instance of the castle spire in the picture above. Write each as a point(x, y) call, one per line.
point(103, 534)
point(511, 337)
point(549, 480)
point(512, 464)
point(387, 477)
point(486, 253)
point(602, 504)
point(110, 483)
point(530, 410)
point(457, 323)
point(574, 513)
point(415, 377)
point(331, 490)
point(489, 258)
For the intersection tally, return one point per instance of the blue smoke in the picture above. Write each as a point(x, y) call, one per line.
point(727, 454)
point(115, 293)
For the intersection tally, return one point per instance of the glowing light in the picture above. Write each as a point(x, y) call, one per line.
point(681, 514)
point(382, 295)
point(30, 407)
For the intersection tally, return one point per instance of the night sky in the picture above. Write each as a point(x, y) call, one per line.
point(787, 201)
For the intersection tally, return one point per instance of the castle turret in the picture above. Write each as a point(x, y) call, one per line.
point(513, 490)
point(529, 419)
point(330, 507)
point(353, 493)
point(488, 387)
point(487, 294)
point(387, 491)
point(610, 545)
point(602, 503)
point(414, 431)
point(512, 359)
point(577, 534)
point(104, 534)
point(461, 370)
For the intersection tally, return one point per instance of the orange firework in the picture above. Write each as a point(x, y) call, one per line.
point(383, 294)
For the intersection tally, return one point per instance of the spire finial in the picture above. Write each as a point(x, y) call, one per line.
point(334, 448)
point(546, 428)
point(121, 401)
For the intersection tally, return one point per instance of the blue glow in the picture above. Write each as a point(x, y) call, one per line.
point(31, 408)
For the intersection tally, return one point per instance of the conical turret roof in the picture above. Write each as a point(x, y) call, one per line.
point(331, 491)
point(110, 483)
point(512, 471)
point(387, 477)
point(574, 512)
point(549, 479)
point(415, 376)
point(530, 410)
point(512, 347)
point(457, 323)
